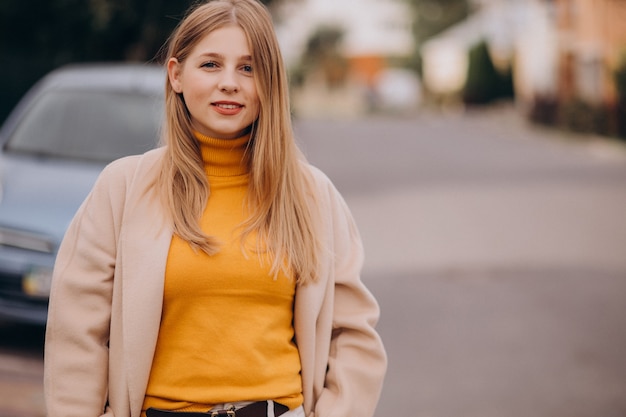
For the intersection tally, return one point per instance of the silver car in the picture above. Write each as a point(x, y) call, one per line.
point(53, 146)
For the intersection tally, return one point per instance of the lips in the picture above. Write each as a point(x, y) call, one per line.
point(228, 108)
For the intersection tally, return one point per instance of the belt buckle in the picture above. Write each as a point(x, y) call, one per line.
point(224, 413)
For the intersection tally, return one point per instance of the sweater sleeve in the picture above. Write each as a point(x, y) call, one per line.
point(357, 359)
point(77, 333)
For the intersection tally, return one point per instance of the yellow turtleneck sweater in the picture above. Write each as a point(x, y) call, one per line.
point(226, 331)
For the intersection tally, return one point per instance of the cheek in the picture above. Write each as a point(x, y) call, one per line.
point(257, 105)
point(194, 85)
point(256, 111)
point(254, 97)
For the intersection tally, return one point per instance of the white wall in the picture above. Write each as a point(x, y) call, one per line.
point(372, 26)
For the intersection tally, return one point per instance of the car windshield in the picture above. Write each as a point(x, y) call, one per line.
point(91, 125)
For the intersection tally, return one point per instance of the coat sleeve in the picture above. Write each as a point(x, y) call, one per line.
point(357, 359)
point(77, 333)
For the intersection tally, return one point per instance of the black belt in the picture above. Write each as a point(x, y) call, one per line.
point(257, 409)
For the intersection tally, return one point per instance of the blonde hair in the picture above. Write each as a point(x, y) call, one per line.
point(281, 215)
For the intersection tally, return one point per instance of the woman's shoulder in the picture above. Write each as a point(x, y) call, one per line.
point(133, 161)
point(315, 175)
point(129, 166)
point(128, 177)
point(321, 186)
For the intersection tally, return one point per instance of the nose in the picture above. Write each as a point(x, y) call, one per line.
point(228, 82)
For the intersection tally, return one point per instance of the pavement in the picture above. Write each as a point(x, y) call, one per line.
point(21, 371)
point(497, 252)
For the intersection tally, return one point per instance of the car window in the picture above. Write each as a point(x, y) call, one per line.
point(91, 125)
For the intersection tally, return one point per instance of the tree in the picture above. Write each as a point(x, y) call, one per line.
point(432, 17)
point(484, 82)
point(323, 53)
point(40, 35)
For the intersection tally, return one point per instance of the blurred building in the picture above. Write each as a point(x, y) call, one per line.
point(375, 32)
point(581, 44)
point(578, 43)
point(564, 55)
point(591, 37)
point(372, 27)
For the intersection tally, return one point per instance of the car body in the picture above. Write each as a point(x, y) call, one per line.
point(54, 144)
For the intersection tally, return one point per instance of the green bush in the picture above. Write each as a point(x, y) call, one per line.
point(484, 82)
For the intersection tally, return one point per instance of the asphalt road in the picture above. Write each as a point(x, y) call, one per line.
point(21, 370)
point(496, 251)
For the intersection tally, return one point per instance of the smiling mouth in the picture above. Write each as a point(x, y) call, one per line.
point(227, 106)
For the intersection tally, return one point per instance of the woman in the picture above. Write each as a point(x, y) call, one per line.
point(218, 272)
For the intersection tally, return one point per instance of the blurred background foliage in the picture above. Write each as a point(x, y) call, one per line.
point(485, 83)
point(431, 17)
point(37, 36)
point(434, 16)
point(323, 51)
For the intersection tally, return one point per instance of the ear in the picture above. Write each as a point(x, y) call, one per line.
point(174, 74)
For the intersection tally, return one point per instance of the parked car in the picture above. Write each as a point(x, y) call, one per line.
point(53, 146)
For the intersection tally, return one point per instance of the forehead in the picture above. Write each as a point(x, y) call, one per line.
point(226, 40)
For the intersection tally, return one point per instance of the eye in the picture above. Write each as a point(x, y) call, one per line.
point(210, 65)
point(246, 68)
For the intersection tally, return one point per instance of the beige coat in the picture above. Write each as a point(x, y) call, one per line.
point(107, 291)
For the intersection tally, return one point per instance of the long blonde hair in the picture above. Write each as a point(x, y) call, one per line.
point(281, 210)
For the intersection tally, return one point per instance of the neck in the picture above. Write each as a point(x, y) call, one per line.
point(224, 157)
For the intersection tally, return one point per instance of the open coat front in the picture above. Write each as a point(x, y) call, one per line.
point(107, 292)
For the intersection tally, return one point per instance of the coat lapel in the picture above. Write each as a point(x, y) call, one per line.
point(307, 309)
point(145, 245)
point(143, 301)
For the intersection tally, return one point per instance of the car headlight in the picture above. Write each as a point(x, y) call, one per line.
point(36, 283)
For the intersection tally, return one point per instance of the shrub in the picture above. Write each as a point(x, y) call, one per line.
point(484, 82)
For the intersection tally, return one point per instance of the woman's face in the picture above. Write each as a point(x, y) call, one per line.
point(217, 83)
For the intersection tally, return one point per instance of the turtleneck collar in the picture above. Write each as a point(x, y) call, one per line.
point(224, 157)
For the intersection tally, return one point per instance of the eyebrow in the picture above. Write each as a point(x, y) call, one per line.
point(220, 56)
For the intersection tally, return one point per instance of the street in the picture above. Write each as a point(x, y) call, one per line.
point(497, 251)
point(21, 371)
